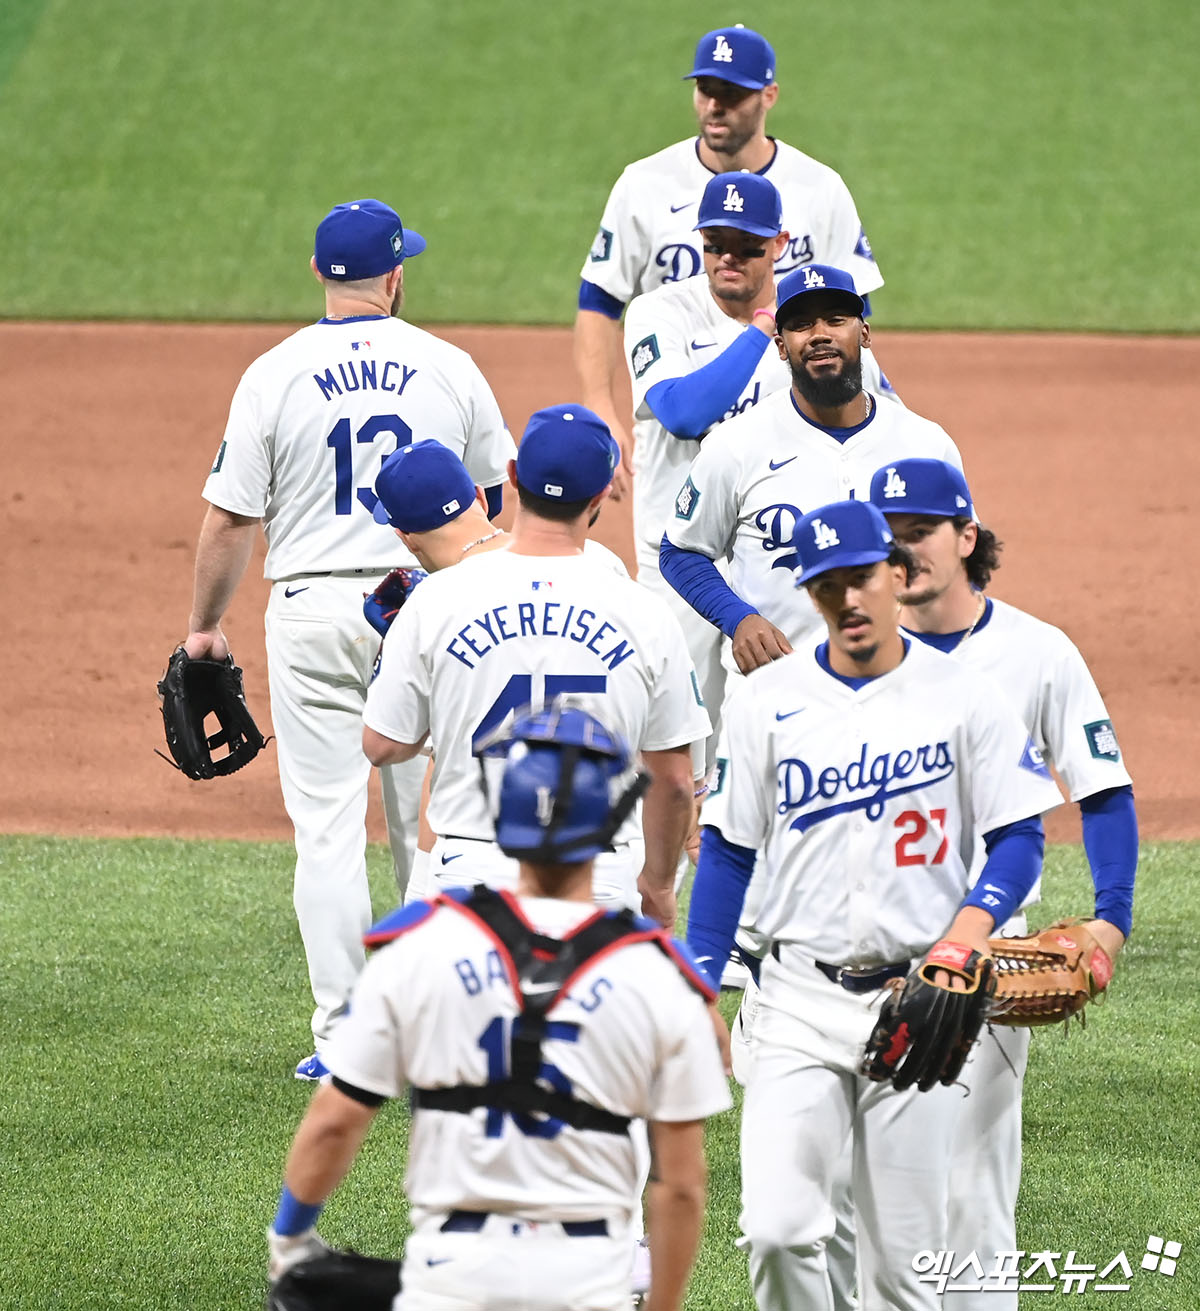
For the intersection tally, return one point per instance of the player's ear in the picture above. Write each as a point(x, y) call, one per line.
point(316, 272)
point(780, 242)
point(866, 333)
point(512, 473)
point(481, 498)
point(598, 500)
point(967, 537)
point(770, 95)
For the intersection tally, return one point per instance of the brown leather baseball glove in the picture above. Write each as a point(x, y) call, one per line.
point(1047, 977)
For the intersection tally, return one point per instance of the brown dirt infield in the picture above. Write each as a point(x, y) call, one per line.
point(1081, 451)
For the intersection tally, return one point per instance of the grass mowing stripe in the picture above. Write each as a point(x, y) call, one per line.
point(156, 1001)
point(1016, 164)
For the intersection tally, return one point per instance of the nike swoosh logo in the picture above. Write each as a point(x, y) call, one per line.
point(437, 1260)
point(447, 859)
point(780, 718)
point(686, 205)
point(702, 345)
point(294, 591)
point(778, 464)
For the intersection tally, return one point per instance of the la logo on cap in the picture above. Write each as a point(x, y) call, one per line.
point(812, 279)
point(895, 485)
point(733, 198)
point(824, 536)
point(722, 51)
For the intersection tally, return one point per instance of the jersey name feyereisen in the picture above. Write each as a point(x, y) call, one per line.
point(1053, 691)
point(312, 420)
point(757, 475)
point(480, 641)
point(867, 804)
point(670, 333)
point(435, 1009)
point(646, 236)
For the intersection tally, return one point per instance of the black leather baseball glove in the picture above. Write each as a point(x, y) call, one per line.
point(926, 1029)
point(190, 691)
point(337, 1281)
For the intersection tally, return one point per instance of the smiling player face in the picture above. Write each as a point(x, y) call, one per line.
point(859, 604)
point(940, 549)
point(822, 345)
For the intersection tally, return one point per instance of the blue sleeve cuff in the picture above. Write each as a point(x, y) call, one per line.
point(1014, 861)
point(698, 580)
point(1110, 838)
point(495, 499)
point(596, 298)
point(690, 405)
point(294, 1217)
point(722, 877)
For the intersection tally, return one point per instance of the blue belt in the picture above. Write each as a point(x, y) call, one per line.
point(472, 1222)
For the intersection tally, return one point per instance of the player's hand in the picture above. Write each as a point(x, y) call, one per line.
point(1107, 935)
point(657, 902)
point(207, 644)
point(721, 1029)
point(288, 1252)
point(756, 642)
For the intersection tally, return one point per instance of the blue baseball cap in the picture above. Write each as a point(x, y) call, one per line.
point(566, 453)
point(813, 278)
point(737, 55)
point(747, 201)
point(933, 487)
point(421, 487)
point(362, 239)
point(840, 535)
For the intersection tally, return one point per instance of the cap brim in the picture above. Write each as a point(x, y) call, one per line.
point(755, 229)
point(792, 304)
point(726, 75)
point(846, 561)
point(414, 244)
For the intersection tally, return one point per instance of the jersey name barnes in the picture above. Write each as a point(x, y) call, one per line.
point(364, 374)
point(486, 631)
point(866, 783)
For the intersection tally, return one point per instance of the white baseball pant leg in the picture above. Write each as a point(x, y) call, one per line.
point(320, 652)
point(803, 1102)
point(987, 1165)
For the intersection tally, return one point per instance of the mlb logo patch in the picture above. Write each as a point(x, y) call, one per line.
point(687, 500)
point(552, 489)
point(1102, 741)
point(644, 354)
point(601, 247)
point(450, 507)
point(338, 269)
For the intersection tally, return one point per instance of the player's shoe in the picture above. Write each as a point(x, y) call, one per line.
point(312, 1069)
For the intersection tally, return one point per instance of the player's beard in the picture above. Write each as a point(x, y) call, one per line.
point(733, 143)
point(398, 301)
point(831, 390)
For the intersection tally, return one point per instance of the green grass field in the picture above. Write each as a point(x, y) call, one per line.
point(155, 1002)
point(1017, 164)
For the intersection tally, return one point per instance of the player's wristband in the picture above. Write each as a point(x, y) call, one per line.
point(762, 311)
point(293, 1216)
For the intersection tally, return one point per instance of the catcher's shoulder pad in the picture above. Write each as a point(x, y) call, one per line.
point(336, 1280)
point(190, 691)
point(1048, 976)
point(397, 922)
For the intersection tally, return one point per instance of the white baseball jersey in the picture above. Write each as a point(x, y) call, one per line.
point(646, 236)
point(312, 420)
point(478, 642)
point(1046, 679)
point(670, 333)
point(756, 476)
point(435, 1009)
point(867, 804)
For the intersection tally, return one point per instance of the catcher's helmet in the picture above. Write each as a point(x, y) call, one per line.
point(567, 784)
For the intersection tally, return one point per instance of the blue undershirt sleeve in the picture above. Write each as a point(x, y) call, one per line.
point(1110, 838)
point(495, 499)
point(687, 407)
point(698, 580)
point(596, 298)
point(722, 877)
point(1014, 861)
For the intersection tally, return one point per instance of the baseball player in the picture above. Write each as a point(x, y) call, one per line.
point(819, 440)
point(515, 627)
point(532, 1029)
point(647, 234)
point(930, 510)
point(865, 768)
point(430, 500)
point(309, 424)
